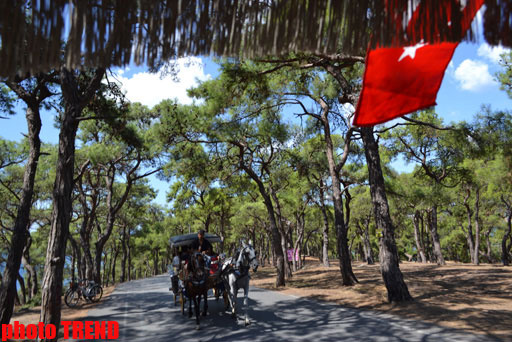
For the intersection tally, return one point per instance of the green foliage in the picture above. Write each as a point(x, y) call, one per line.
point(505, 76)
point(248, 131)
point(437, 152)
point(7, 101)
point(32, 302)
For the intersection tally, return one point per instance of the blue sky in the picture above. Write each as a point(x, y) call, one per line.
point(468, 84)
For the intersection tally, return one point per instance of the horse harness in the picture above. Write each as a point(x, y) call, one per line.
point(192, 277)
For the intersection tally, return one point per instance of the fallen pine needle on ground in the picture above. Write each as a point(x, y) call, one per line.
point(477, 299)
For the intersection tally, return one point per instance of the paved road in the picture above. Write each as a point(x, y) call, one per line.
point(145, 312)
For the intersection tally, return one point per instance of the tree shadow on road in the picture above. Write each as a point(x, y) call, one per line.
point(152, 316)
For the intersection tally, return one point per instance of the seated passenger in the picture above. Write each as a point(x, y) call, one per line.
point(213, 262)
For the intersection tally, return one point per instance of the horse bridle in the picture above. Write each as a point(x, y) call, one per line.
point(242, 274)
point(250, 259)
point(195, 264)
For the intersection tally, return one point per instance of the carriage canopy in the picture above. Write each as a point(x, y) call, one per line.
point(187, 239)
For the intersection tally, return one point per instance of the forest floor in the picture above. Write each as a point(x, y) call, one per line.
point(477, 299)
point(31, 315)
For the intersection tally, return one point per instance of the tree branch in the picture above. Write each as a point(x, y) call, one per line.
point(10, 190)
point(346, 150)
point(418, 122)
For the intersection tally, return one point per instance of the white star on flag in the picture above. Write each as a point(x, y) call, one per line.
point(411, 50)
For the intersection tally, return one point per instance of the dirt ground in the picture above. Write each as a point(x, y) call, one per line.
point(472, 298)
point(31, 316)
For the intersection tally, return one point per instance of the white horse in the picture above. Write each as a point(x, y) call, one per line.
point(235, 274)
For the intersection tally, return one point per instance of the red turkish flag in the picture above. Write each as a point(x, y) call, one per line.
point(398, 81)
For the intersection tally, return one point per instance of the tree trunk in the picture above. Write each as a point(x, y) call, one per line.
point(469, 230)
point(262, 250)
point(116, 253)
point(129, 248)
point(347, 275)
point(290, 246)
point(61, 215)
point(32, 286)
point(300, 236)
point(287, 269)
point(282, 231)
point(106, 269)
point(112, 211)
point(360, 252)
point(74, 101)
point(97, 265)
point(432, 222)
point(73, 265)
point(274, 258)
point(32, 274)
point(306, 242)
point(88, 219)
point(419, 243)
point(85, 238)
point(505, 259)
point(389, 261)
point(17, 299)
point(488, 254)
point(476, 252)
point(294, 262)
point(21, 281)
point(124, 256)
point(368, 252)
point(325, 231)
point(77, 256)
point(29, 285)
point(276, 236)
point(155, 262)
point(82, 270)
point(425, 239)
point(298, 249)
point(20, 230)
point(89, 262)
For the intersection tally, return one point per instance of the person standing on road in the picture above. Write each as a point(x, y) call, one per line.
point(174, 270)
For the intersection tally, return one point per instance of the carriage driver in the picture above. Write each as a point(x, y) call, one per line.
point(201, 244)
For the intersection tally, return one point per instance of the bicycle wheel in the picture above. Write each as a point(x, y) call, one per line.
point(95, 293)
point(72, 298)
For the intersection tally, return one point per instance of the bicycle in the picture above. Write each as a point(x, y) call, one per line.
point(86, 289)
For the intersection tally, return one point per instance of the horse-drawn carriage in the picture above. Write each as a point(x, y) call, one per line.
point(182, 245)
point(194, 273)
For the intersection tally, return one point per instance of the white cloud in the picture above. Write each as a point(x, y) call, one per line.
point(122, 71)
point(348, 108)
point(492, 53)
point(473, 75)
point(149, 89)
